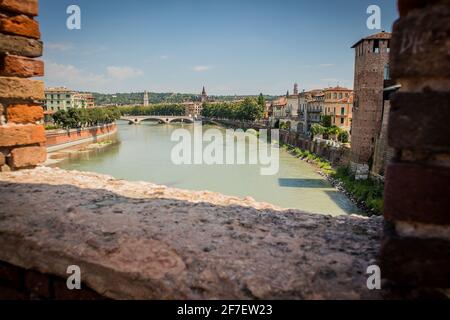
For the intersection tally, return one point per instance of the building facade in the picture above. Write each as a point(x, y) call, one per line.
point(315, 107)
point(193, 109)
point(371, 62)
point(62, 99)
point(279, 108)
point(339, 106)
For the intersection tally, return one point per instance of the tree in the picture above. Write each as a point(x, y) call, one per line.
point(343, 136)
point(77, 118)
point(262, 101)
point(317, 129)
point(326, 121)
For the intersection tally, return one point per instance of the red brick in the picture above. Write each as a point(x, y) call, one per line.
point(24, 113)
point(425, 113)
point(20, 46)
point(29, 7)
point(27, 157)
point(413, 45)
point(63, 293)
point(406, 6)
point(19, 25)
point(20, 66)
point(11, 275)
point(417, 193)
point(10, 294)
point(37, 283)
point(16, 135)
point(416, 262)
point(18, 88)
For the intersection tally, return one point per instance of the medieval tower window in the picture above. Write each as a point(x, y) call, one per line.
point(376, 46)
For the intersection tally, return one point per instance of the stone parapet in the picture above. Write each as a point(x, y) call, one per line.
point(144, 241)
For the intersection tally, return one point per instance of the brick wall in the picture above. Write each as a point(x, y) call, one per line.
point(368, 102)
point(337, 156)
point(58, 137)
point(20, 284)
point(416, 249)
point(382, 152)
point(22, 136)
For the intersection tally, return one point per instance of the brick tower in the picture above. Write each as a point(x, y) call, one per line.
point(371, 61)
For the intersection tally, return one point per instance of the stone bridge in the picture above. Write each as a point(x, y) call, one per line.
point(161, 119)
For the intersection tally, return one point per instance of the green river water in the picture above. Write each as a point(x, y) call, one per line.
point(144, 154)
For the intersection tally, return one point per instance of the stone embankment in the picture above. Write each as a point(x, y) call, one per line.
point(144, 241)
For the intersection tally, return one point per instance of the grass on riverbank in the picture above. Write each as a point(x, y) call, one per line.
point(370, 191)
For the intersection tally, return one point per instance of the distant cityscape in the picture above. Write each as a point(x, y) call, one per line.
point(361, 112)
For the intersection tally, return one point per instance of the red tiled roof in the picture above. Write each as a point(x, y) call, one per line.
point(337, 89)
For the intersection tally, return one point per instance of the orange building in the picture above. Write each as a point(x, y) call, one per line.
point(339, 105)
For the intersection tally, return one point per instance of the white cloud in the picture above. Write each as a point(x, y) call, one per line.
point(79, 79)
point(164, 57)
point(202, 68)
point(58, 46)
point(71, 76)
point(123, 73)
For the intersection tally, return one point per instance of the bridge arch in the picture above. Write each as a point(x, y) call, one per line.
point(153, 119)
point(160, 119)
point(182, 120)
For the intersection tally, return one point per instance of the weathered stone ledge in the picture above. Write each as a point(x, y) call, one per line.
point(143, 241)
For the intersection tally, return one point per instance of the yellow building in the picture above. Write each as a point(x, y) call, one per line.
point(339, 105)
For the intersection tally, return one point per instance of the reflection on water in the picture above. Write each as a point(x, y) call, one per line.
point(144, 151)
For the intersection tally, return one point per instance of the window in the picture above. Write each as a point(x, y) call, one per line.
point(387, 72)
point(342, 120)
point(343, 111)
point(376, 46)
point(340, 95)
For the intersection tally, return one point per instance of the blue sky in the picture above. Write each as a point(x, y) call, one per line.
point(231, 47)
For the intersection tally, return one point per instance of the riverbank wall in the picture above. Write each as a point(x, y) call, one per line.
point(338, 156)
point(63, 139)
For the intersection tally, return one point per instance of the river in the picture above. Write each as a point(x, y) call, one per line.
point(144, 154)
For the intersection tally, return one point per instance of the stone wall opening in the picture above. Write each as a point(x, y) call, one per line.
point(415, 252)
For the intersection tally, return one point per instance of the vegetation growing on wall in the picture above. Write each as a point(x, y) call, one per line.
point(369, 192)
point(328, 131)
